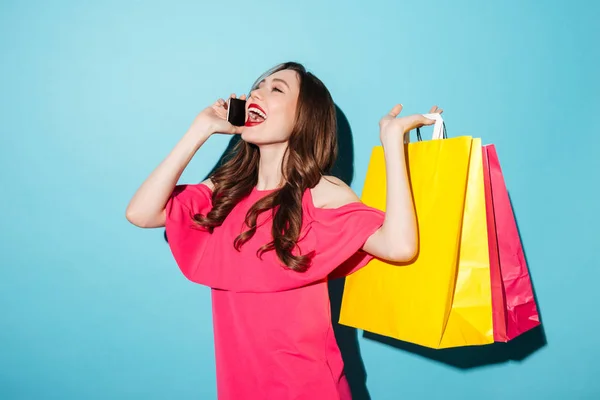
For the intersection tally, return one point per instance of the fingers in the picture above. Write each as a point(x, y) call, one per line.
point(435, 110)
point(427, 121)
point(233, 96)
point(395, 110)
point(235, 130)
point(224, 103)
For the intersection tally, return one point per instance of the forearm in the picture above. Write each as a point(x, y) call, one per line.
point(146, 208)
point(399, 230)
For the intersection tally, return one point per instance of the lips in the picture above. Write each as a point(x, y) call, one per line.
point(256, 115)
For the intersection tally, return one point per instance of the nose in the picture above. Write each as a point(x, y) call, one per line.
point(255, 94)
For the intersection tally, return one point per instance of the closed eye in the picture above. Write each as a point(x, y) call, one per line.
point(276, 89)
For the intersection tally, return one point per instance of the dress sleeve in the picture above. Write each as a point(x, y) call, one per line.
point(187, 239)
point(341, 234)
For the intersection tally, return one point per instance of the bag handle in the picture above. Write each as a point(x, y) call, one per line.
point(439, 128)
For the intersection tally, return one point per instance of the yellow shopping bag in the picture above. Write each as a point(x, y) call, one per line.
point(470, 319)
point(442, 298)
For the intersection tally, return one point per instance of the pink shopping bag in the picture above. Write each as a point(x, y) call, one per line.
point(513, 305)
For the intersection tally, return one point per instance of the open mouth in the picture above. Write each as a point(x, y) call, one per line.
point(256, 115)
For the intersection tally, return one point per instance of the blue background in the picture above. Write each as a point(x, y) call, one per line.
point(94, 96)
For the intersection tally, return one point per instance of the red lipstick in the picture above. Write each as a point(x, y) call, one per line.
point(254, 123)
point(254, 105)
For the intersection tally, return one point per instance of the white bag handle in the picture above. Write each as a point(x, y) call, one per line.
point(438, 127)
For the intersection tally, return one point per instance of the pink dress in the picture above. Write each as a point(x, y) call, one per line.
point(272, 326)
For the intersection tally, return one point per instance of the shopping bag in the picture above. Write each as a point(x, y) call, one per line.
point(514, 307)
point(470, 318)
point(498, 300)
point(413, 302)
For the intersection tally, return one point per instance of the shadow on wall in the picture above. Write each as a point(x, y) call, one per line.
point(474, 356)
point(347, 337)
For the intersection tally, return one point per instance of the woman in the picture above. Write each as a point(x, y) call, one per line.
point(268, 229)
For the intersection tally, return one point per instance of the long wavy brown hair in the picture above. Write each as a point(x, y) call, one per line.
point(311, 153)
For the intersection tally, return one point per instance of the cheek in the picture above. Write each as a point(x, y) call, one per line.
point(289, 117)
point(280, 128)
point(287, 125)
point(282, 123)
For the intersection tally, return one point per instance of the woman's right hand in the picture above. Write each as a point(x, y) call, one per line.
point(213, 119)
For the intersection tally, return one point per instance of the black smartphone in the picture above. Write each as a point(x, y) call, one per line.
point(236, 111)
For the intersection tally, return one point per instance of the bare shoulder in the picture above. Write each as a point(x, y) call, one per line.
point(209, 183)
point(332, 192)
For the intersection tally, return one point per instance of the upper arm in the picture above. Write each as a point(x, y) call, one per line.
point(161, 219)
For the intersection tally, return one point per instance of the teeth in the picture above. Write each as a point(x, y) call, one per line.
point(257, 111)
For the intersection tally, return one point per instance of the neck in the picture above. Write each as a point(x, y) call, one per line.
point(269, 166)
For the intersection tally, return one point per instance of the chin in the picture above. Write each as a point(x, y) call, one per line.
point(248, 136)
point(252, 135)
point(260, 136)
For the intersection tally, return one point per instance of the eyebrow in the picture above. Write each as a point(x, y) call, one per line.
point(278, 80)
point(282, 81)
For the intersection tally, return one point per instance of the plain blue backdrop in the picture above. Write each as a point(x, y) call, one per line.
point(93, 96)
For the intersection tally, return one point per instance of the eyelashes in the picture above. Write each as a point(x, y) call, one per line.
point(273, 88)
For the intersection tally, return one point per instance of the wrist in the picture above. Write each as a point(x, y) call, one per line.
point(197, 136)
point(392, 140)
point(200, 133)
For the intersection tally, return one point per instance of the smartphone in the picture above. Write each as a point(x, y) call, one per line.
point(236, 111)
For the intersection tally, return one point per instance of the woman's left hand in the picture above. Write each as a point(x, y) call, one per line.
point(392, 128)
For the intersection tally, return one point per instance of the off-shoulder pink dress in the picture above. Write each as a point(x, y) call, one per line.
point(272, 326)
